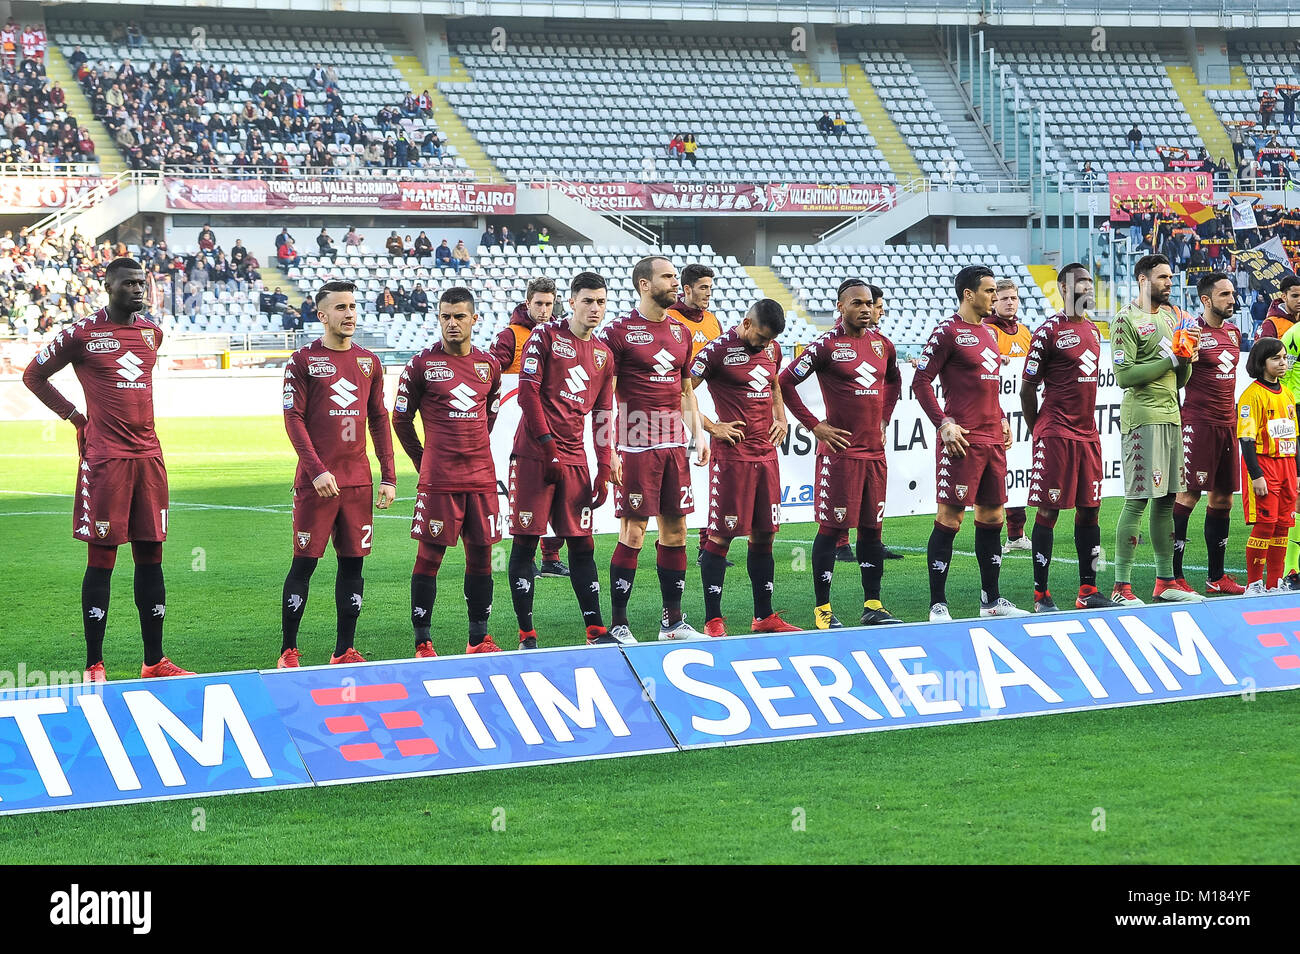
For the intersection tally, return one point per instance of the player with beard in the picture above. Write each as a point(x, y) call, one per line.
point(971, 454)
point(1210, 433)
point(652, 358)
point(1150, 372)
point(853, 369)
point(741, 368)
point(122, 490)
point(1064, 357)
point(1013, 344)
point(1284, 312)
point(565, 377)
point(457, 389)
point(331, 490)
point(537, 308)
point(891, 400)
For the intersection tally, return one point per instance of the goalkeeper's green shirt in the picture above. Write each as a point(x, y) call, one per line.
point(1291, 345)
point(1142, 344)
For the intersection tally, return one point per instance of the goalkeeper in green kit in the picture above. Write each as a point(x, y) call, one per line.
point(1291, 346)
point(1150, 371)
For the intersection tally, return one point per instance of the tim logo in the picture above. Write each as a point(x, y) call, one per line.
point(76, 907)
point(1284, 639)
point(385, 704)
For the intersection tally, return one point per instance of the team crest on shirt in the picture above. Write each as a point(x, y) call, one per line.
point(525, 518)
point(1201, 475)
point(483, 370)
point(841, 513)
point(599, 357)
point(634, 501)
point(961, 489)
point(304, 538)
point(1053, 494)
point(366, 365)
point(101, 528)
point(676, 330)
point(147, 335)
point(879, 348)
point(435, 527)
point(730, 520)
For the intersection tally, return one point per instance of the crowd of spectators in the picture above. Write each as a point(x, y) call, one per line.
point(47, 282)
point(36, 125)
point(529, 238)
point(161, 115)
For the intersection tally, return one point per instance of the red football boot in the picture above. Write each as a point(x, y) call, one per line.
point(349, 656)
point(772, 624)
point(96, 673)
point(487, 646)
point(289, 660)
point(163, 667)
point(425, 650)
point(716, 627)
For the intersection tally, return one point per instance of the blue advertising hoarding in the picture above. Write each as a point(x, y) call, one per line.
point(142, 740)
point(759, 689)
point(462, 713)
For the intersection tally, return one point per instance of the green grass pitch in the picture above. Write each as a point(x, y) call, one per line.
point(1210, 781)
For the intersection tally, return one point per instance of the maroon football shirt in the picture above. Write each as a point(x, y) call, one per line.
point(966, 357)
point(1210, 396)
point(1063, 357)
point(562, 379)
point(741, 384)
point(458, 397)
point(114, 363)
point(853, 374)
point(650, 358)
point(325, 394)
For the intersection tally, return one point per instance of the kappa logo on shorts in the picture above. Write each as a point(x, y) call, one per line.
point(841, 513)
point(525, 518)
point(1053, 494)
point(366, 365)
point(961, 489)
point(304, 538)
point(435, 527)
point(101, 528)
point(731, 520)
point(634, 501)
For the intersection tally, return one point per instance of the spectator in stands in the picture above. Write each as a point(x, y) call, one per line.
point(238, 253)
point(386, 302)
point(410, 106)
point(288, 255)
point(529, 238)
point(292, 320)
point(690, 145)
point(1289, 95)
point(1267, 104)
point(374, 155)
point(489, 237)
point(394, 245)
point(402, 151)
point(274, 303)
point(825, 125)
point(442, 256)
point(423, 246)
point(325, 245)
point(419, 300)
point(408, 247)
point(544, 239)
point(1259, 310)
point(676, 147)
point(431, 146)
point(77, 59)
point(283, 238)
point(460, 255)
point(403, 300)
point(331, 77)
point(307, 310)
point(353, 238)
point(1134, 140)
point(134, 35)
point(838, 123)
point(425, 105)
point(316, 77)
point(385, 119)
point(207, 238)
point(506, 239)
point(1088, 176)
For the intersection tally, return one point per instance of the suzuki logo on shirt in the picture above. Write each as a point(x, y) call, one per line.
point(464, 397)
point(345, 393)
point(129, 366)
point(664, 361)
point(1227, 362)
point(577, 380)
point(1088, 364)
point(991, 359)
point(759, 378)
point(866, 375)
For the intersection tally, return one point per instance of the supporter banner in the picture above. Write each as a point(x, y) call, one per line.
point(74, 746)
point(1162, 187)
point(45, 192)
point(764, 688)
point(760, 198)
point(255, 194)
point(461, 713)
point(1268, 263)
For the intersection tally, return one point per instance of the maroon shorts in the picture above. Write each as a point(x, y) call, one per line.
point(566, 504)
point(1066, 474)
point(979, 479)
point(445, 518)
point(1278, 505)
point(120, 500)
point(1210, 458)
point(744, 496)
point(348, 518)
point(655, 482)
point(850, 491)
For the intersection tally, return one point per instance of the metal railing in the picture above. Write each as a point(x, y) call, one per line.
point(61, 218)
point(50, 170)
point(912, 187)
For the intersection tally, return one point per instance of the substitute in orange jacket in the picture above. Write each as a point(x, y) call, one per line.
point(1013, 344)
point(536, 309)
point(1285, 310)
point(692, 308)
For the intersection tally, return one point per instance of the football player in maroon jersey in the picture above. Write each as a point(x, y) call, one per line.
point(565, 377)
point(1064, 358)
point(1209, 414)
point(973, 437)
point(122, 491)
point(652, 357)
point(457, 389)
point(328, 386)
point(741, 367)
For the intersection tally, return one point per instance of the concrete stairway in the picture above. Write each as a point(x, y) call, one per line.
point(448, 123)
point(58, 71)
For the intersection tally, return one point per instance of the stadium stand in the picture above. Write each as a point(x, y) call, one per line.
point(36, 127)
point(610, 104)
point(1270, 66)
point(1093, 100)
point(203, 110)
point(917, 280)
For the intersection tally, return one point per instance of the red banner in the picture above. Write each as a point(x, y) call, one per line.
point(758, 198)
point(45, 192)
point(1160, 187)
point(256, 194)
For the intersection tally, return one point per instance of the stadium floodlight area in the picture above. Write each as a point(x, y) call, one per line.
point(622, 97)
